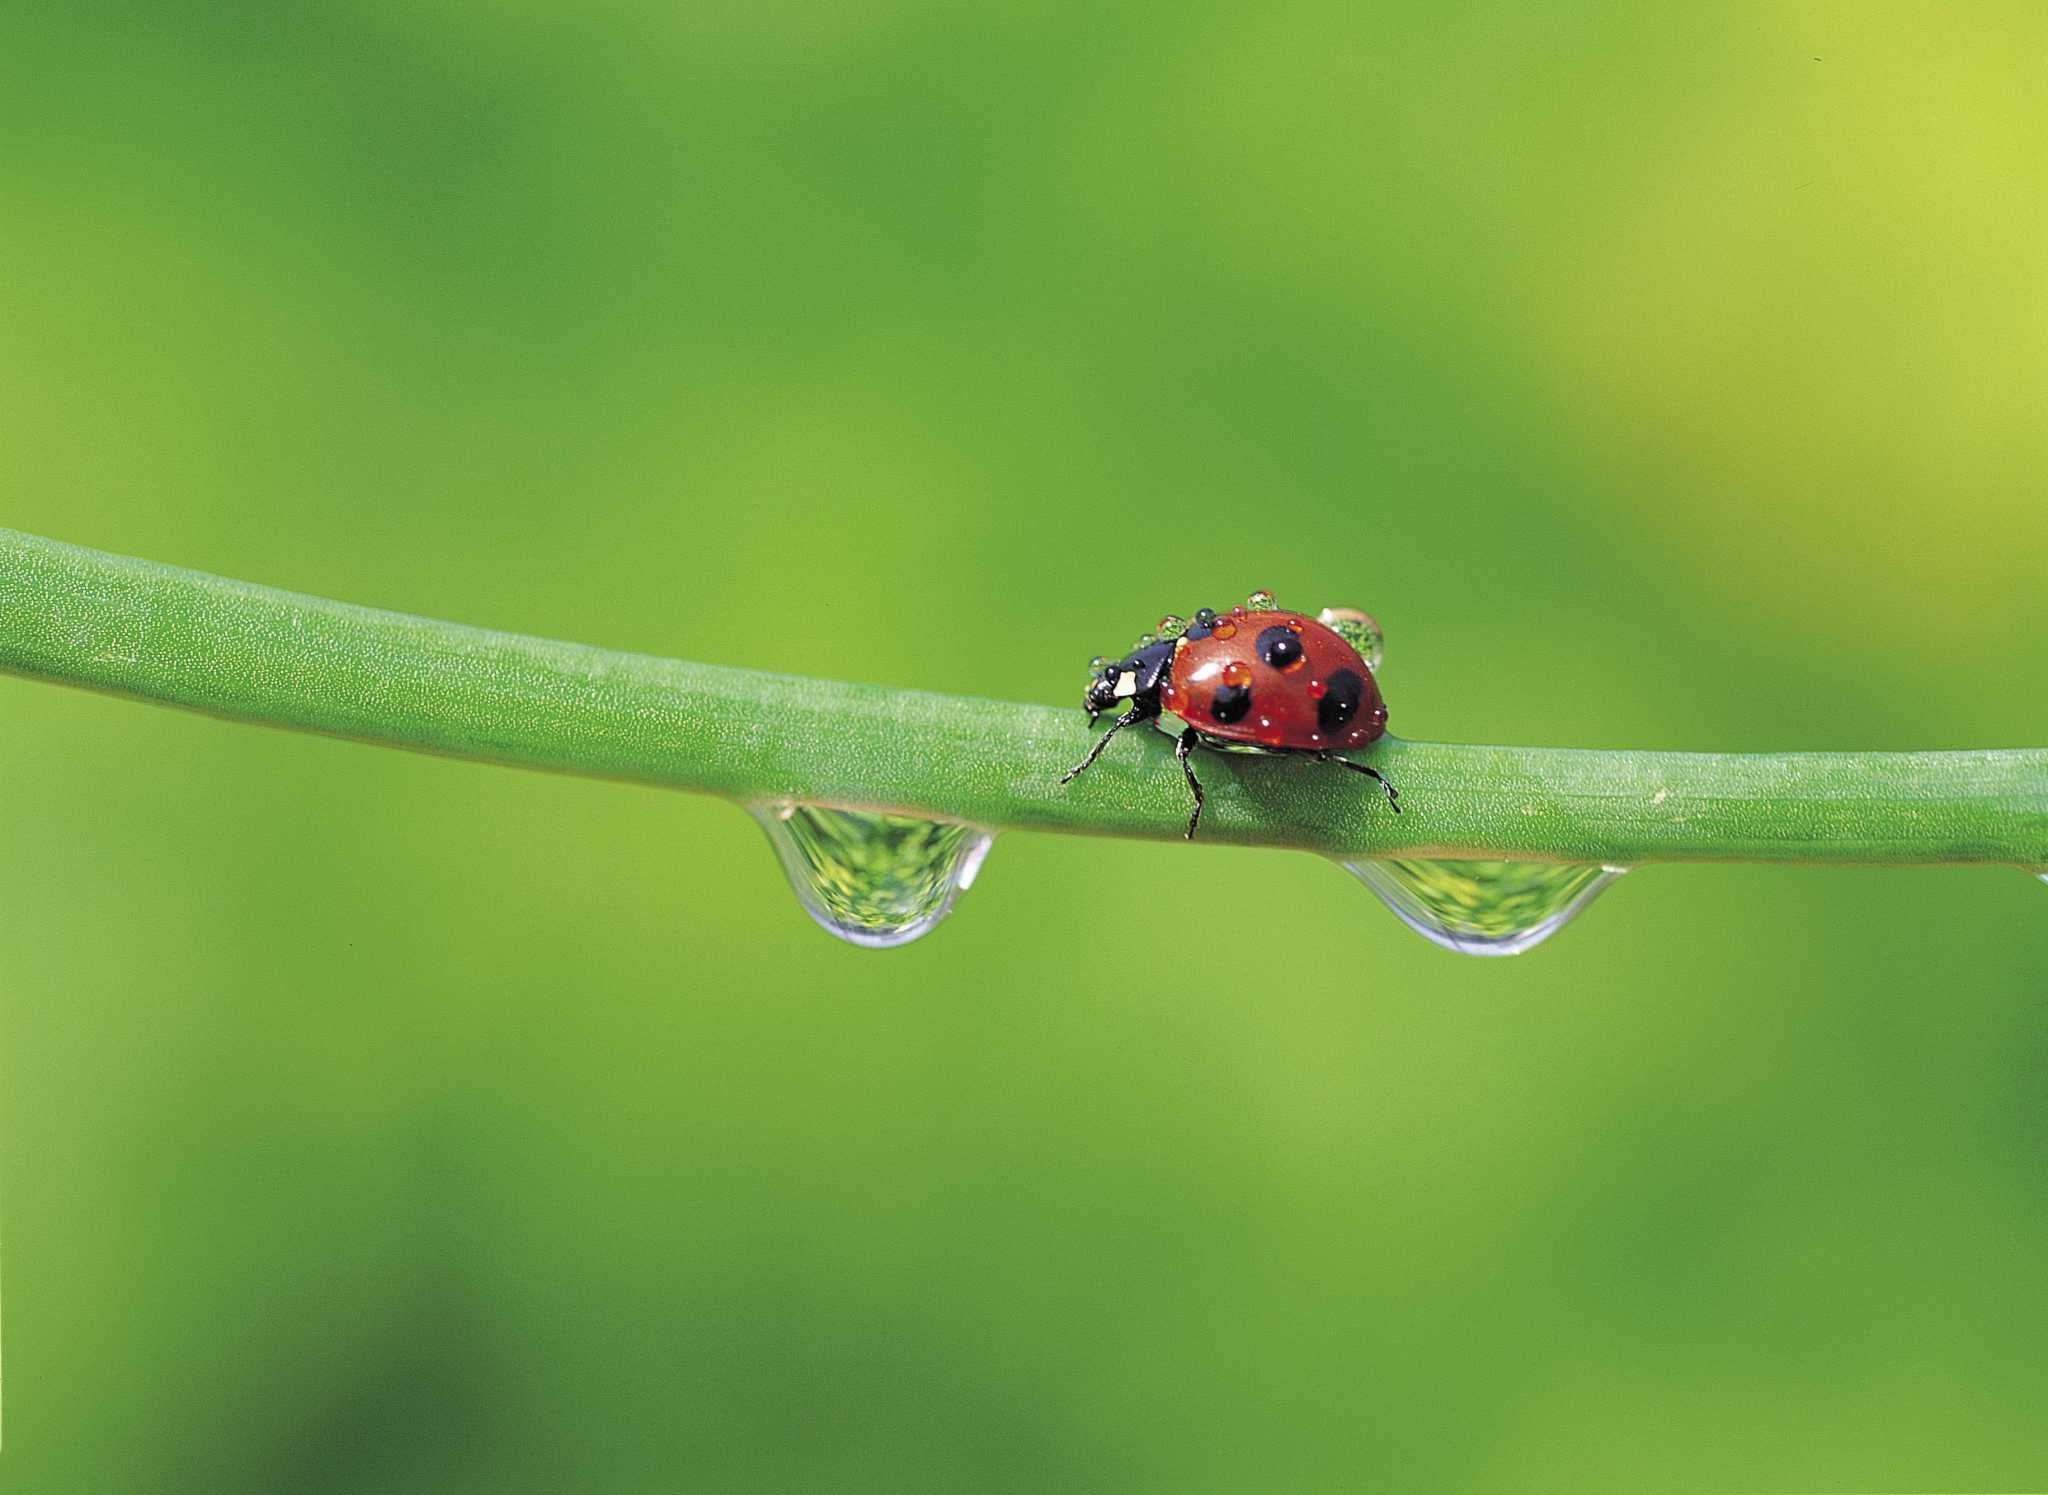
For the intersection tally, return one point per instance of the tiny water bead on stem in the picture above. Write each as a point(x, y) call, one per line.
point(891, 796)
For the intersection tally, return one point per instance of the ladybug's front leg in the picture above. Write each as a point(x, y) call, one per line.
point(1129, 719)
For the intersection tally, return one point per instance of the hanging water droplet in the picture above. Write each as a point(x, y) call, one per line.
point(1484, 908)
point(1358, 630)
point(2042, 875)
point(1173, 625)
point(1098, 664)
point(1260, 602)
point(874, 880)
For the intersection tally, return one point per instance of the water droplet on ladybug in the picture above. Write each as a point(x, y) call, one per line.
point(872, 880)
point(1260, 602)
point(1224, 630)
point(1146, 641)
point(1172, 626)
point(1237, 672)
point(1358, 630)
point(1484, 907)
point(1098, 664)
point(1316, 690)
point(1237, 612)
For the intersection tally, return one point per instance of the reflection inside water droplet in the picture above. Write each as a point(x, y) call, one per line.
point(873, 880)
point(1484, 908)
point(1357, 629)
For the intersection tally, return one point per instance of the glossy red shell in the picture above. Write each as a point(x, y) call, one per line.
point(1286, 708)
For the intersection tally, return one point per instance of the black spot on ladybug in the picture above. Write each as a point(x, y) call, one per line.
point(1340, 701)
point(1232, 703)
point(1279, 647)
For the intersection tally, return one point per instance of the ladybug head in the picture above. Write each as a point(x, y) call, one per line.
point(1102, 690)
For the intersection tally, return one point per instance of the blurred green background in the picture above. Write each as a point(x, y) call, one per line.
point(1659, 376)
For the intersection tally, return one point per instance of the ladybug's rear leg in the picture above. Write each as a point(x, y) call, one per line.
point(1393, 794)
point(1186, 745)
point(1130, 718)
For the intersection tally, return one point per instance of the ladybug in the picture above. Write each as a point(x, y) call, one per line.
point(1256, 678)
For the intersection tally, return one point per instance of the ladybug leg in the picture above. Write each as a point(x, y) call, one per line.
point(1393, 794)
point(1130, 718)
point(1181, 749)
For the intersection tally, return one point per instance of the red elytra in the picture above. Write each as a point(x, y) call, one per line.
point(1242, 684)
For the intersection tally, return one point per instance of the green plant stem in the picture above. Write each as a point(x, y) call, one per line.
point(250, 653)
